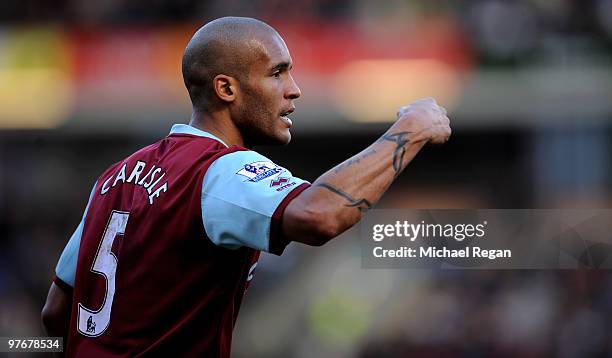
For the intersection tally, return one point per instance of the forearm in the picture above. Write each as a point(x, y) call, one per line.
point(338, 198)
point(351, 188)
point(56, 313)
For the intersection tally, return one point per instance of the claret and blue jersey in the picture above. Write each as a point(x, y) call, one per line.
point(168, 244)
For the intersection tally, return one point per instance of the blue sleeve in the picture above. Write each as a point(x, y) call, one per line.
point(66, 266)
point(241, 193)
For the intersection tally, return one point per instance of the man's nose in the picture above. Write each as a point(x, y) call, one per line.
point(293, 91)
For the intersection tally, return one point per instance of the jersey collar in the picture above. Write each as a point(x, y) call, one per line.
point(187, 129)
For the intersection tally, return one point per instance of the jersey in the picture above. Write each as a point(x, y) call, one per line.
point(167, 247)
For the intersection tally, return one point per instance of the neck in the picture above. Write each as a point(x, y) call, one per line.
point(218, 124)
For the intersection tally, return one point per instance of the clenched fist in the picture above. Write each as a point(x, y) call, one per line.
point(426, 120)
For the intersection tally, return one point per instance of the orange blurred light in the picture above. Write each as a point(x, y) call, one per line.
point(373, 90)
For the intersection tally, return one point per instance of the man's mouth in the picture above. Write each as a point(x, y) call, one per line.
point(286, 119)
point(287, 112)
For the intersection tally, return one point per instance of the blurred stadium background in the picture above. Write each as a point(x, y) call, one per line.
point(528, 85)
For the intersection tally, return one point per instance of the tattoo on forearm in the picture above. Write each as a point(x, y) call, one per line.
point(353, 160)
point(362, 204)
point(400, 139)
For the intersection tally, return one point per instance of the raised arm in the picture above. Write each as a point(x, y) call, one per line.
point(337, 199)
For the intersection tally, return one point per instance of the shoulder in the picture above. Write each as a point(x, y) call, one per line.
point(246, 165)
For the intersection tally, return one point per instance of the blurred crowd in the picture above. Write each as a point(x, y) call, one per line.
point(502, 28)
point(319, 302)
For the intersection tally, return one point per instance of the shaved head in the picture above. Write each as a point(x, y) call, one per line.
point(237, 72)
point(227, 46)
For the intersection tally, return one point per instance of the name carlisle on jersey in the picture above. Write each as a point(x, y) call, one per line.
point(150, 181)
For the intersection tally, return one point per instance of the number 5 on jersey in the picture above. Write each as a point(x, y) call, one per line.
point(93, 323)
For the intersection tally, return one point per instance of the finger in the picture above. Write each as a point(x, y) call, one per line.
point(439, 140)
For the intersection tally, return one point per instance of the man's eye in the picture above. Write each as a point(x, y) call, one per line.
point(276, 74)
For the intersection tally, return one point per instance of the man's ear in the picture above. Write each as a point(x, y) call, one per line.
point(225, 87)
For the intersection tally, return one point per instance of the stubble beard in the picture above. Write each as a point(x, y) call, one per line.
point(257, 124)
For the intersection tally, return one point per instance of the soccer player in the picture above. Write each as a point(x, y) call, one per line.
point(170, 238)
